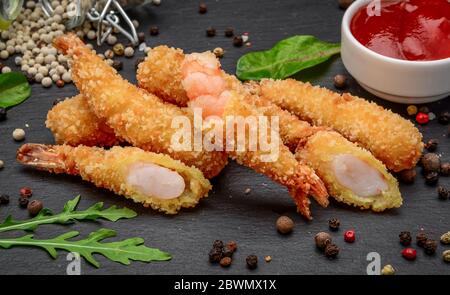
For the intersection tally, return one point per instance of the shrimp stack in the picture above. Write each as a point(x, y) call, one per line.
point(143, 120)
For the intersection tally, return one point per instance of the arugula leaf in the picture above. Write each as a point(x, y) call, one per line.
point(69, 214)
point(286, 58)
point(14, 89)
point(121, 251)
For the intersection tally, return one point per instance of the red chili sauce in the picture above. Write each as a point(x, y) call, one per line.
point(405, 29)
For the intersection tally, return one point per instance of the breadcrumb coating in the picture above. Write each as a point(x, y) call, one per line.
point(138, 117)
point(319, 151)
point(72, 122)
point(109, 169)
point(393, 140)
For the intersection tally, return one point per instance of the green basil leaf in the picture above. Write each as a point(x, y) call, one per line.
point(286, 58)
point(14, 89)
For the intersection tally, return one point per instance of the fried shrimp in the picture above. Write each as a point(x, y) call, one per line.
point(319, 147)
point(138, 117)
point(392, 139)
point(154, 180)
point(72, 122)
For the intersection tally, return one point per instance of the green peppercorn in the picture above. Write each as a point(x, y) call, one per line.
point(388, 270)
point(445, 238)
point(446, 255)
point(119, 49)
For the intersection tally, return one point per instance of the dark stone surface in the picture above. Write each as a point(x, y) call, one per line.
point(228, 214)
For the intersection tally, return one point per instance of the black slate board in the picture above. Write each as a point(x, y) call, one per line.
point(228, 214)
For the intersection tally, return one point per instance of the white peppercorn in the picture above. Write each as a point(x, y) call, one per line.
point(18, 134)
point(46, 82)
point(4, 54)
point(17, 60)
point(49, 59)
point(67, 77)
point(111, 40)
point(60, 69)
point(135, 23)
point(32, 71)
point(38, 77)
point(55, 77)
point(43, 70)
point(39, 59)
point(109, 53)
point(2, 164)
point(129, 52)
point(91, 35)
point(6, 70)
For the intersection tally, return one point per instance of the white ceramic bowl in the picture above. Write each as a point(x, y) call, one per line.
point(393, 79)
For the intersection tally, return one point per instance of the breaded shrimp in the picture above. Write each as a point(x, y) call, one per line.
point(138, 117)
point(392, 139)
point(72, 122)
point(154, 180)
point(317, 146)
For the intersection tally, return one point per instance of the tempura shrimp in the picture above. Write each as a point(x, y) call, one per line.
point(155, 180)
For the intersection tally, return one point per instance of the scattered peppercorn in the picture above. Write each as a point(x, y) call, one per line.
point(18, 134)
point(215, 255)
point(411, 110)
point(344, 4)
point(446, 255)
point(405, 238)
point(218, 244)
point(268, 258)
point(407, 176)
point(218, 51)
point(431, 145)
point(421, 238)
point(60, 83)
point(129, 52)
point(154, 31)
point(444, 118)
point(445, 238)
point(138, 62)
point(388, 270)
point(227, 252)
point(3, 114)
point(119, 49)
point(331, 251)
point(349, 236)
point(334, 224)
point(4, 199)
point(252, 261)
point(26, 192)
point(340, 81)
point(229, 32)
point(118, 65)
point(284, 225)
point(322, 239)
point(422, 118)
point(34, 207)
point(424, 109)
point(225, 261)
point(2, 164)
point(232, 245)
point(210, 32)
point(141, 37)
point(430, 247)
point(23, 202)
point(431, 178)
point(202, 8)
point(238, 41)
point(431, 116)
point(431, 162)
point(409, 253)
point(443, 193)
point(445, 169)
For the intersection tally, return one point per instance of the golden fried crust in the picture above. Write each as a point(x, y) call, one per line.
point(72, 122)
point(319, 152)
point(135, 115)
point(392, 139)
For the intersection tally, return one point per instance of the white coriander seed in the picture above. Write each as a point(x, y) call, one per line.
point(18, 134)
point(46, 82)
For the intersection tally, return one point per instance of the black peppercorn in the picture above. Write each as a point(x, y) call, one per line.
point(431, 145)
point(444, 118)
point(2, 114)
point(4, 199)
point(154, 30)
point(340, 81)
point(252, 261)
point(58, 100)
point(215, 255)
point(407, 176)
point(331, 251)
point(421, 238)
point(34, 207)
point(218, 244)
point(445, 169)
point(141, 37)
point(227, 252)
point(229, 32)
point(210, 32)
point(238, 41)
point(118, 65)
point(430, 247)
point(431, 162)
point(405, 238)
point(443, 193)
point(424, 109)
point(431, 178)
point(23, 202)
point(138, 62)
point(334, 224)
point(202, 8)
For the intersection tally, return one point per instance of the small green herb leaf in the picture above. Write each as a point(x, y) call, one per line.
point(121, 251)
point(14, 89)
point(69, 214)
point(286, 58)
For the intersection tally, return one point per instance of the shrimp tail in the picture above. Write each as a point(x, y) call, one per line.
point(44, 157)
